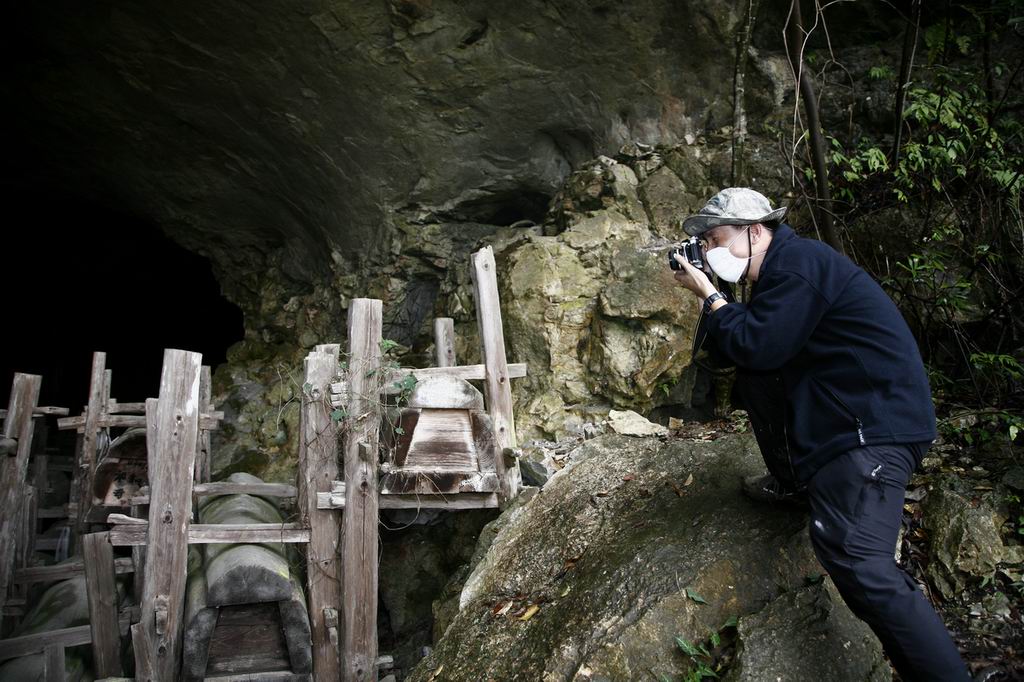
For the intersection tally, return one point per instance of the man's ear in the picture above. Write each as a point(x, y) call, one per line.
point(756, 232)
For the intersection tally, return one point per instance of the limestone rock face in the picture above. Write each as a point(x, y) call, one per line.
point(593, 309)
point(595, 575)
point(964, 543)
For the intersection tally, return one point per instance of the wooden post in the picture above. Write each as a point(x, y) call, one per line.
point(13, 469)
point(98, 558)
point(99, 381)
point(318, 469)
point(497, 387)
point(54, 663)
point(202, 474)
point(359, 540)
point(173, 427)
point(444, 341)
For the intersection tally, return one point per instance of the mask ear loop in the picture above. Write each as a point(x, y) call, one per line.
point(750, 249)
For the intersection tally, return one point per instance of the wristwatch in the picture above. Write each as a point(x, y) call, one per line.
point(711, 299)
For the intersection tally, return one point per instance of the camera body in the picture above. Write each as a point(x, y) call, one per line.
point(692, 250)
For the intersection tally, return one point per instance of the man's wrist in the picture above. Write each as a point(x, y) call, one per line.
point(713, 301)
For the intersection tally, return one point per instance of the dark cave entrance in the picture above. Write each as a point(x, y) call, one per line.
point(82, 278)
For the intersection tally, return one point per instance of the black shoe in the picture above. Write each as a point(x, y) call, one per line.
point(767, 488)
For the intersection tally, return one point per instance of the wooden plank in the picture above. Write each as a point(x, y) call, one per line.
point(65, 571)
point(54, 664)
point(114, 407)
point(140, 649)
point(37, 643)
point(272, 676)
point(98, 557)
point(207, 420)
point(359, 537)
point(413, 501)
point(13, 470)
point(468, 372)
point(444, 341)
point(27, 541)
point(126, 535)
point(172, 452)
point(202, 473)
point(62, 512)
point(318, 468)
point(497, 384)
point(50, 410)
point(94, 412)
point(248, 639)
point(261, 489)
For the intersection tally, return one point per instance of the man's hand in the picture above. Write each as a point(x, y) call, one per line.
point(693, 279)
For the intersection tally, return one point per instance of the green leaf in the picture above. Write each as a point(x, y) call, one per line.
point(688, 648)
point(730, 623)
point(338, 415)
point(695, 597)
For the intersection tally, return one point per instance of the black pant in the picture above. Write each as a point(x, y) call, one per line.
point(856, 510)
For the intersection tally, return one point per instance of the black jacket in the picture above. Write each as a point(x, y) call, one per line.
point(851, 369)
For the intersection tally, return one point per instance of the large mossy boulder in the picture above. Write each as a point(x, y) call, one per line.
point(636, 542)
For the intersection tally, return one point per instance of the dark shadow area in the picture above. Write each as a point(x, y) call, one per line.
point(80, 277)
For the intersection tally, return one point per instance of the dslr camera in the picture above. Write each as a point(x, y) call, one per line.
point(692, 250)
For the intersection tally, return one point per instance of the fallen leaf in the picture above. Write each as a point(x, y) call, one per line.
point(695, 597)
point(689, 480)
point(627, 477)
point(566, 590)
point(529, 612)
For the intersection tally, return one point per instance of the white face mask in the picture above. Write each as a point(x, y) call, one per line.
point(727, 266)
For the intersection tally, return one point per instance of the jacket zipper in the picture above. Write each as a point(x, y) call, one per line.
point(856, 419)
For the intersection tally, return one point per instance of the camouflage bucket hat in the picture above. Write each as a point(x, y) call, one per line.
point(733, 206)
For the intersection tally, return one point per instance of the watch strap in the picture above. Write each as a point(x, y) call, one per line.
point(711, 299)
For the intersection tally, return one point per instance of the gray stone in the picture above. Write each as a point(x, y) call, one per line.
point(612, 574)
point(964, 538)
point(805, 636)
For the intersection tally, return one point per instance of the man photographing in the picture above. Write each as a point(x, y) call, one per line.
point(859, 414)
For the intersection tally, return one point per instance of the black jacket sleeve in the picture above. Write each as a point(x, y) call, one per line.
point(773, 327)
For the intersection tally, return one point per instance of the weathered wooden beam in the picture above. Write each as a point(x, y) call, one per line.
point(38, 642)
point(98, 558)
point(94, 411)
point(207, 420)
point(359, 538)
point(64, 571)
point(14, 469)
point(339, 389)
point(261, 489)
point(444, 341)
point(54, 664)
point(127, 535)
point(497, 384)
point(171, 441)
point(413, 501)
point(202, 473)
point(318, 467)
